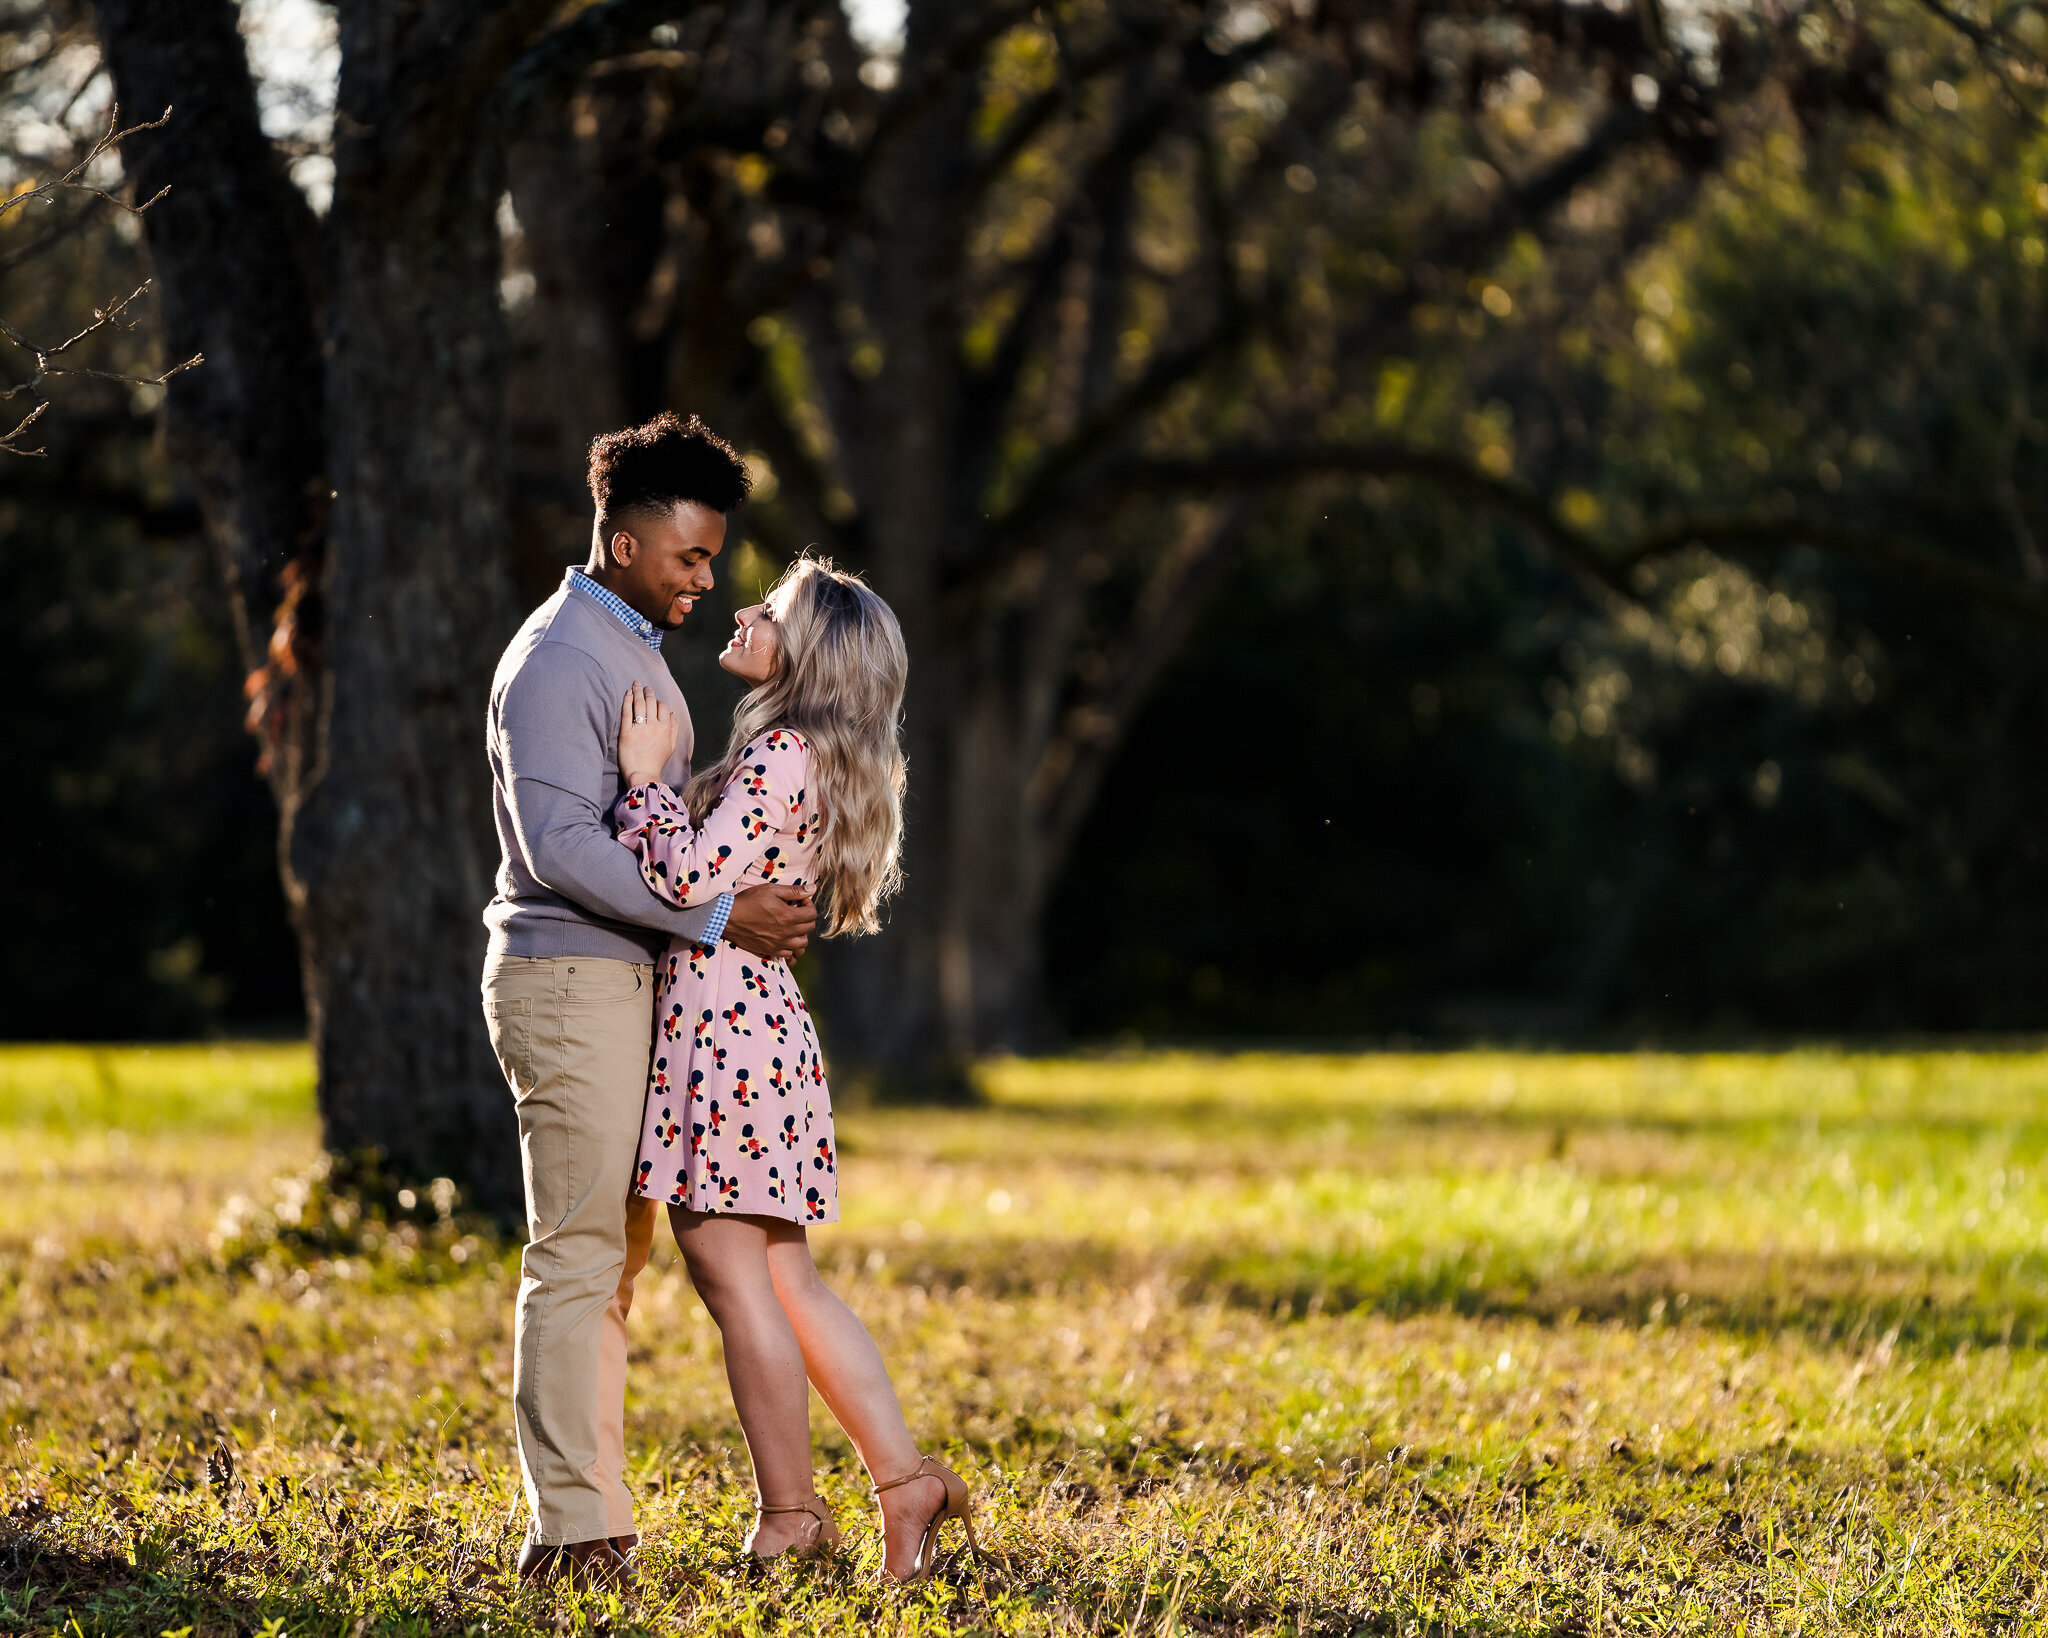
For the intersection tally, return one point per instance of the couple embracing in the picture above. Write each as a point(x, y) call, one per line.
point(640, 1001)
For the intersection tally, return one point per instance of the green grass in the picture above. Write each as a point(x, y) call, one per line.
point(1467, 1343)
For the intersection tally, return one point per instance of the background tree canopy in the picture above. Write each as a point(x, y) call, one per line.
point(1798, 796)
point(1530, 513)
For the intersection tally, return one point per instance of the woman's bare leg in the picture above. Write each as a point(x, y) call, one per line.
point(728, 1262)
point(846, 1368)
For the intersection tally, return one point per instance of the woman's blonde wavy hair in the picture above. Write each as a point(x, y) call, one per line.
point(838, 682)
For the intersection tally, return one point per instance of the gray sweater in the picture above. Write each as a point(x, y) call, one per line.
point(565, 886)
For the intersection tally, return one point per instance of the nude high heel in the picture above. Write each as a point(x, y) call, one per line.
point(827, 1537)
point(958, 1505)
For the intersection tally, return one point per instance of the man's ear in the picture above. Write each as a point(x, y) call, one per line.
point(623, 546)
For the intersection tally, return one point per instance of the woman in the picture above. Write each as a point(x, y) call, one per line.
point(738, 1138)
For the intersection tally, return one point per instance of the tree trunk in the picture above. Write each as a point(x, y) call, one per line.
point(373, 642)
point(564, 380)
point(893, 1003)
point(390, 851)
point(958, 971)
point(990, 889)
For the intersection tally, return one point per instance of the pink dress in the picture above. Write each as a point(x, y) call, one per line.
point(738, 1115)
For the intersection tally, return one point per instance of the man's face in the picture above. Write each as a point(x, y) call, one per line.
point(661, 565)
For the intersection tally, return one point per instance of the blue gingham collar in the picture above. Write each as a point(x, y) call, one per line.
point(628, 616)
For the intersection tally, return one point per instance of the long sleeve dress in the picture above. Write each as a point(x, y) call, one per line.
point(739, 1118)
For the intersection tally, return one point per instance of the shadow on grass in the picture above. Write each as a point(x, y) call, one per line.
point(1831, 1301)
point(182, 1581)
point(47, 1587)
point(1924, 1306)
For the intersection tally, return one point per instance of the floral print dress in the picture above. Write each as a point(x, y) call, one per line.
point(738, 1115)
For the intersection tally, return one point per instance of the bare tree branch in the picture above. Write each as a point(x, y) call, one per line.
point(11, 443)
point(72, 180)
point(1464, 245)
point(110, 316)
point(103, 318)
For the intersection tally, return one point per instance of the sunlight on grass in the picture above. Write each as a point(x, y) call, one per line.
point(1229, 1344)
point(1645, 1087)
point(212, 1090)
point(143, 1145)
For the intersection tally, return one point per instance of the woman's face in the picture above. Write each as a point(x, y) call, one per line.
point(755, 647)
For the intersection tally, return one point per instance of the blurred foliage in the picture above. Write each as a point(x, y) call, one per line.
point(141, 880)
point(1780, 792)
point(142, 892)
point(337, 1208)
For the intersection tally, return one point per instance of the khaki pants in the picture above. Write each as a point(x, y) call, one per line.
point(573, 1034)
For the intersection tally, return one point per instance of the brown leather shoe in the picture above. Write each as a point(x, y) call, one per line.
point(581, 1563)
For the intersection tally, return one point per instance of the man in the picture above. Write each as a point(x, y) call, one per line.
point(569, 981)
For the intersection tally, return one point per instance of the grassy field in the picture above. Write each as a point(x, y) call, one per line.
point(1388, 1344)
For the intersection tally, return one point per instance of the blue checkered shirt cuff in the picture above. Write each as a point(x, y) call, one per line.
point(714, 929)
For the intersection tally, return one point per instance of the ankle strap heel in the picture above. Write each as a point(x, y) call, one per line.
point(827, 1536)
point(959, 1504)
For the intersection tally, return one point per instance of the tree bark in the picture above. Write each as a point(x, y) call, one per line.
point(373, 632)
point(419, 602)
point(564, 381)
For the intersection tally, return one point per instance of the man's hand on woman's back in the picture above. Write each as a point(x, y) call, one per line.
point(773, 923)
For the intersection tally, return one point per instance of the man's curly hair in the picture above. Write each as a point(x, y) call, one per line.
point(649, 468)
